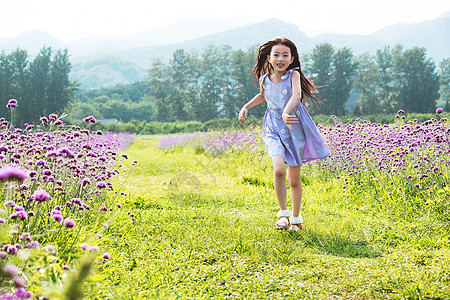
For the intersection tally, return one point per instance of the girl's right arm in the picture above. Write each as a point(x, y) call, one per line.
point(258, 99)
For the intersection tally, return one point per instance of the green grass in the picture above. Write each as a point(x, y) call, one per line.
point(198, 227)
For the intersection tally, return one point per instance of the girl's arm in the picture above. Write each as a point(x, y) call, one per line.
point(258, 99)
point(295, 99)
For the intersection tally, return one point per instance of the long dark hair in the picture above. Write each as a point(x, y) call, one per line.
point(262, 66)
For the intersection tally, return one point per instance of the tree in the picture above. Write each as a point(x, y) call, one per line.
point(321, 71)
point(384, 80)
point(60, 89)
point(228, 105)
point(13, 81)
point(417, 81)
point(211, 81)
point(342, 79)
point(245, 89)
point(158, 87)
point(365, 85)
point(176, 99)
point(37, 88)
point(444, 80)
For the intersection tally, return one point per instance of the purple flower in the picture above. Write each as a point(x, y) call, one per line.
point(13, 173)
point(89, 119)
point(85, 181)
point(77, 201)
point(12, 103)
point(101, 185)
point(10, 248)
point(47, 172)
point(32, 244)
point(68, 223)
point(40, 196)
point(51, 249)
point(439, 110)
point(401, 111)
point(57, 217)
point(11, 270)
point(125, 156)
point(51, 153)
point(19, 214)
point(106, 255)
point(19, 282)
point(20, 293)
point(93, 249)
point(66, 152)
point(53, 117)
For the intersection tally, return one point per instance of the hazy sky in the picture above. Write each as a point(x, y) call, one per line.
point(70, 19)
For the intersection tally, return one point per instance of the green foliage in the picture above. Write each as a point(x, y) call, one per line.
point(40, 86)
point(214, 82)
point(444, 80)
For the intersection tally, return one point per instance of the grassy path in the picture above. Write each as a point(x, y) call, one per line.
point(193, 228)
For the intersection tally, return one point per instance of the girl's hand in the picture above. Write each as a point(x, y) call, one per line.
point(289, 120)
point(243, 115)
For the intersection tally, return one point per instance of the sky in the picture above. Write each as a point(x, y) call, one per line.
point(68, 20)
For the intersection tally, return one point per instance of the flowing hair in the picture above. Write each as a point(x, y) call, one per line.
point(262, 66)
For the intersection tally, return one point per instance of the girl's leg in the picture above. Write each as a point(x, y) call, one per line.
point(296, 189)
point(279, 180)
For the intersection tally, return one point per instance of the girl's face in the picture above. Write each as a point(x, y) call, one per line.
point(280, 58)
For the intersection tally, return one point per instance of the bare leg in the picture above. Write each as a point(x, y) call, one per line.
point(279, 180)
point(296, 189)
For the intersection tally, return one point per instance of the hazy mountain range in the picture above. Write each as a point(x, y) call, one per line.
point(111, 59)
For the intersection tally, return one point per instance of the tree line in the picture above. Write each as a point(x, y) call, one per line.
point(41, 86)
point(215, 82)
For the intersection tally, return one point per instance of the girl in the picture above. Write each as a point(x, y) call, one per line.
point(288, 131)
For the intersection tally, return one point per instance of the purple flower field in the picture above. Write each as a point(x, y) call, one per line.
point(55, 180)
point(217, 142)
point(406, 160)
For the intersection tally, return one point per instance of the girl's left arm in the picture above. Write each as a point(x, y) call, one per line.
point(295, 99)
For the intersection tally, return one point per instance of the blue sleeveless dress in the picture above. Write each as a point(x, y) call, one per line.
point(304, 143)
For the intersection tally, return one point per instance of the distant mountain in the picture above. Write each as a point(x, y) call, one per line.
point(32, 41)
point(239, 38)
point(105, 72)
point(110, 59)
point(433, 35)
point(178, 32)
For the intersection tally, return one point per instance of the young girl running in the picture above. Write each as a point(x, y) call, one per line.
point(289, 133)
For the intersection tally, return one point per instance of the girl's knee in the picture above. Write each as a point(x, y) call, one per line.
point(279, 172)
point(294, 181)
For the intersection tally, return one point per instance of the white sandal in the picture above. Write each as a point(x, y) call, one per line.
point(282, 223)
point(296, 224)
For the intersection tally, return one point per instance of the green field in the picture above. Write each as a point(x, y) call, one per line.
point(196, 226)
